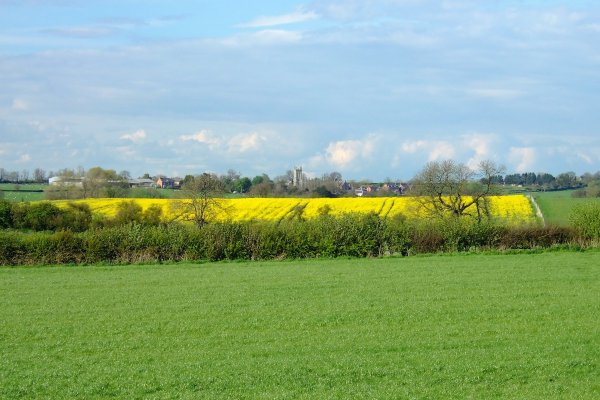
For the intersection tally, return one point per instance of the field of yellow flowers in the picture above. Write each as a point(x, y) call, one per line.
point(513, 208)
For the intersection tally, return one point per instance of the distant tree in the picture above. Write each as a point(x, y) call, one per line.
point(125, 175)
point(567, 180)
point(229, 179)
point(546, 180)
point(63, 191)
point(233, 175)
point(242, 185)
point(188, 179)
point(447, 188)
point(322, 191)
point(39, 175)
point(24, 176)
point(97, 180)
point(68, 173)
point(201, 201)
point(258, 179)
point(263, 189)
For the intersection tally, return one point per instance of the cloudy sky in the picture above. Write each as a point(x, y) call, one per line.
point(372, 88)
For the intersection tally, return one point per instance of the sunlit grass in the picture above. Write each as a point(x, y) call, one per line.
point(512, 326)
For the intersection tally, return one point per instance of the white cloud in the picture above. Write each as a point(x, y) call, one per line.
point(585, 157)
point(522, 158)
point(344, 152)
point(81, 31)
point(413, 147)
point(286, 19)
point(441, 151)
point(495, 93)
point(437, 150)
point(204, 136)
point(244, 143)
point(481, 145)
point(24, 157)
point(273, 36)
point(136, 137)
point(19, 105)
point(261, 37)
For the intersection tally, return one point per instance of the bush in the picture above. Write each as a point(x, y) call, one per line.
point(103, 245)
point(586, 219)
point(426, 238)
point(66, 247)
point(128, 212)
point(531, 237)
point(11, 244)
point(77, 218)
point(5, 214)
point(42, 217)
point(152, 216)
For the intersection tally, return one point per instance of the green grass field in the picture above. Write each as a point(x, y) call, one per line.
point(471, 326)
point(20, 192)
point(557, 206)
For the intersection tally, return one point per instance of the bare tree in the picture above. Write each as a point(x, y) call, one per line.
point(39, 175)
point(447, 188)
point(24, 176)
point(201, 201)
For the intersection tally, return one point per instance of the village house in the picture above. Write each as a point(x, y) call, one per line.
point(168, 183)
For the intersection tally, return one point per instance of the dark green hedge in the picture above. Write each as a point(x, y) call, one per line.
point(352, 235)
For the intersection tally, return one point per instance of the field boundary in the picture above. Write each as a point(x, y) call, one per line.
point(538, 210)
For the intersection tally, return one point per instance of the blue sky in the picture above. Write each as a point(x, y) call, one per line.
point(372, 89)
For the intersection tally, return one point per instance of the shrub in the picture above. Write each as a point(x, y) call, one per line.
point(65, 248)
point(128, 212)
point(5, 214)
point(10, 247)
point(103, 245)
point(152, 216)
point(531, 237)
point(77, 217)
point(42, 216)
point(426, 238)
point(586, 219)
point(396, 237)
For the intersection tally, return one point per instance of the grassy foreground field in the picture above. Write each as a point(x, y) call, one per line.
point(495, 326)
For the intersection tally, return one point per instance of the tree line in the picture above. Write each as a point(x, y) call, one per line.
point(101, 182)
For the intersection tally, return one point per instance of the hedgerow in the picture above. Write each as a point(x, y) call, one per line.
point(349, 235)
point(586, 219)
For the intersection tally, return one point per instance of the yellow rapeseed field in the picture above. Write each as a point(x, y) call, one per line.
point(513, 208)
